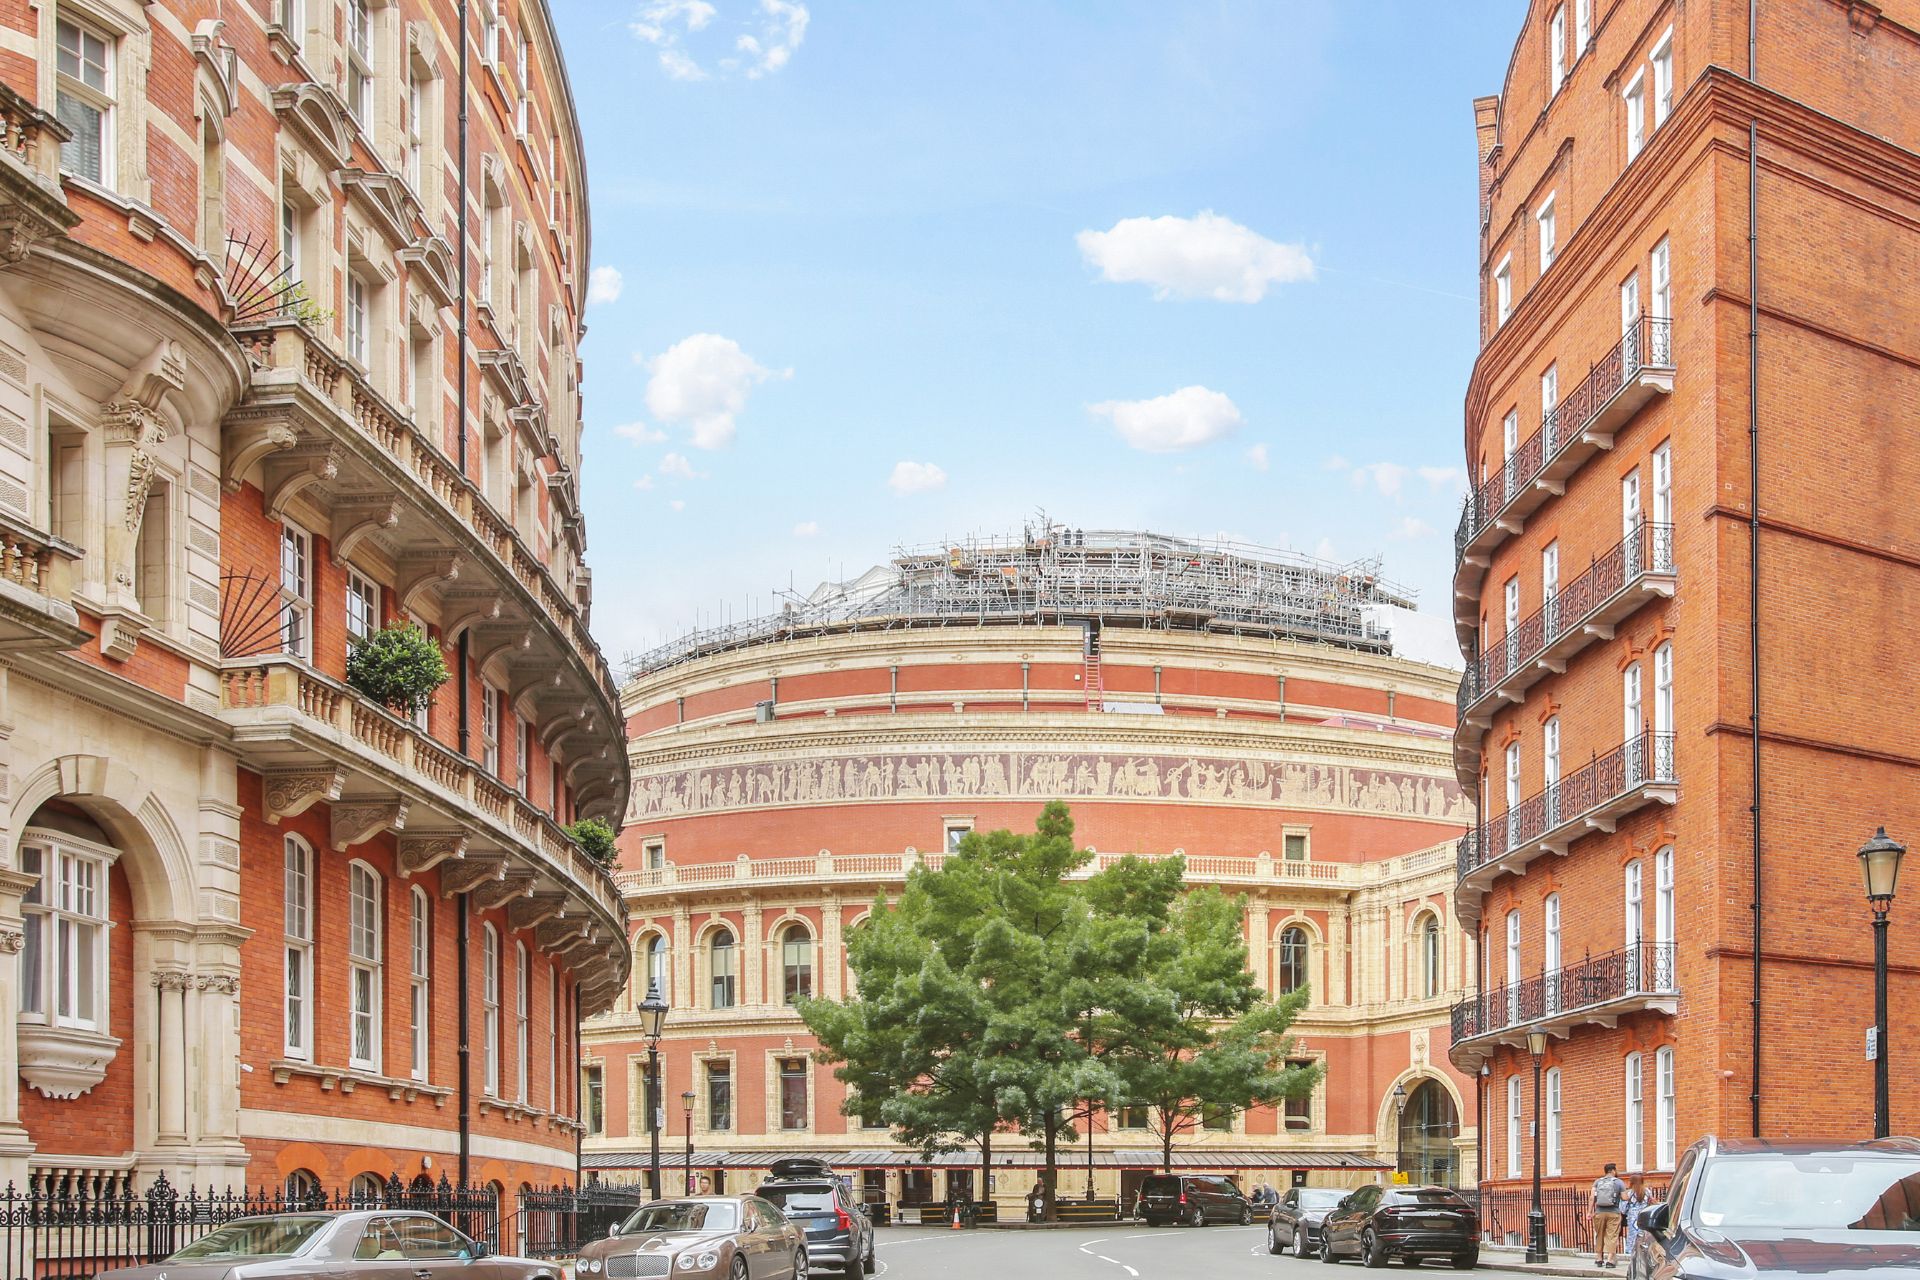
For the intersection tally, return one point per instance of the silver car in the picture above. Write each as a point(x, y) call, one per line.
point(722, 1237)
point(369, 1244)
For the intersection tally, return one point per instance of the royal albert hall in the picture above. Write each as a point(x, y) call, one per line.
point(1239, 706)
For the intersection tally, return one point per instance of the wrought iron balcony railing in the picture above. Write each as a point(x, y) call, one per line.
point(1644, 970)
point(1646, 344)
point(1554, 816)
point(1594, 601)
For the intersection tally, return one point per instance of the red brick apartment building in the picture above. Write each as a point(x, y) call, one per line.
point(239, 426)
point(1230, 704)
point(1698, 235)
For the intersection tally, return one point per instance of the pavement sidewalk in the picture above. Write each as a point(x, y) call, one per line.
point(1509, 1261)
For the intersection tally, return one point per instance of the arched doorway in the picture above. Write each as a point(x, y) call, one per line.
point(1428, 1126)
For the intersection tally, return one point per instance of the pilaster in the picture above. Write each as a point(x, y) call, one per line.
point(753, 954)
point(15, 1145)
point(832, 950)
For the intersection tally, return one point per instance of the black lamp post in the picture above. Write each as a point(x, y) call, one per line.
point(1536, 1216)
point(1400, 1128)
point(1880, 865)
point(653, 1016)
point(686, 1103)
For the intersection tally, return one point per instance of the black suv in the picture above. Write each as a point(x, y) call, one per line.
point(1195, 1199)
point(1778, 1210)
point(1375, 1224)
point(839, 1234)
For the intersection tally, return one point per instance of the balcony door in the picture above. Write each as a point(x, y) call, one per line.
point(1551, 965)
point(1550, 590)
point(1551, 767)
point(1513, 794)
point(1513, 968)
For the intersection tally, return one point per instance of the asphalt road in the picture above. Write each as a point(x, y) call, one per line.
point(1126, 1251)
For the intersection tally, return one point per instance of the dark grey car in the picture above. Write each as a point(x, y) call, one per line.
point(1293, 1224)
point(839, 1233)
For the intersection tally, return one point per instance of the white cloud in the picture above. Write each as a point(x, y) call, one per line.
point(604, 285)
point(640, 433)
point(676, 464)
point(1183, 419)
point(1337, 463)
point(1444, 478)
point(916, 477)
point(772, 32)
point(644, 482)
point(1387, 477)
point(702, 383)
point(678, 505)
point(806, 529)
point(1411, 529)
point(1257, 456)
point(1205, 256)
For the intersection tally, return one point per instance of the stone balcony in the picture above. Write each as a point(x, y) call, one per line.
point(317, 428)
point(36, 590)
point(314, 739)
point(1637, 369)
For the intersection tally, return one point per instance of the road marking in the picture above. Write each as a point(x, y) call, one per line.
point(1088, 1246)
point(882, 1244)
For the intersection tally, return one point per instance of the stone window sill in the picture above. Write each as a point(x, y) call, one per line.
point(64, 1062)
point(346, 1080)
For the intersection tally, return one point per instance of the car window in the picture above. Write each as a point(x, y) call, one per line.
point(1809, 1192)
point(1160, 1186)
point(681, 1215)
point(1434, 1199)
point(380, 1242)
point(770, 1213)
point(276, 1237)
point(1316, 1198)
point(425, 1239)
point(799, 1199)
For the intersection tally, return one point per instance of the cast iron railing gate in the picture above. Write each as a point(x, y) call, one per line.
point(553, 1222)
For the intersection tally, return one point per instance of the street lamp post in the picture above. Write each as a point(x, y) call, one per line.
point(686, 1103)
point(1399, 1128)
point(1880, 866)
point(1536, 1216)
point(653, 1017)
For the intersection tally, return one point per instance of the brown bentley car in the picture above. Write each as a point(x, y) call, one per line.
point(370, 1244)
point(722, 1237)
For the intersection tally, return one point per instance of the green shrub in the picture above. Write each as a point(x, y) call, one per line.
point(595, 839)
point(398, 667)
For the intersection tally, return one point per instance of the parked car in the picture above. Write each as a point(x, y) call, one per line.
point(722, 1237)
point(1751, 1208)
point(1293, 1224)
point(839, 1234)
point(1375, 1224)
point(353, 1245)
point(1195, 1199)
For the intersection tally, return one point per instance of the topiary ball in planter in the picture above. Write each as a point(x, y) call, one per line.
point(595, 838)
point(398, 667)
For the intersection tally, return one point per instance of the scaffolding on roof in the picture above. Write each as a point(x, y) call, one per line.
point(1059, 575)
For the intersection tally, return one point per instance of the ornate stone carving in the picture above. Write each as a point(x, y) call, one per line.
point(357, 519)
point(518, 884)
point(131, 423)
point(224, 984)
point(172, 980)
point(296, 791)
point(12, 941)
point(425, 850)
point(525, 913)
point(557, 933)
point(64, 1062)
point(249, 440)
point(356, 823)
point(1049, 775)
point(469, 874)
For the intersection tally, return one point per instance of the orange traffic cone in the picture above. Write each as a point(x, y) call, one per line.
point(956, 1217)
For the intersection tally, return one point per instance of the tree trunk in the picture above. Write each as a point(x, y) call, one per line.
point(1049, 1176)
point(986, 1167)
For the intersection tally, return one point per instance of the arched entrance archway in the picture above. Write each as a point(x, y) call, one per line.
point(1428, 1126)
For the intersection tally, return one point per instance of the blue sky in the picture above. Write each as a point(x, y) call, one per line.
point(1193, 267)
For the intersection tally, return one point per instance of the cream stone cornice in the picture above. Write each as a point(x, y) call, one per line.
point(1040, 732)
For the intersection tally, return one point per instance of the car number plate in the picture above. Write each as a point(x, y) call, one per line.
point(1439, 1224)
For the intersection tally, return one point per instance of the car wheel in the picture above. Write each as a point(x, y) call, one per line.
point(1273, 1239)
point(1246, 1216)
point(1372, 1252)
point(1198, 1218)
point(1466, 1262)
point(1299, 1242)
point(1326, 1248)
point(739, 1269)
point(858, 1268)
point(800, 1265)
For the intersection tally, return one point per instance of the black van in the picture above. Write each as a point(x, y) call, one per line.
point(1195, 1199)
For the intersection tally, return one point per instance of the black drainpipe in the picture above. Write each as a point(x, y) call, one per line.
point(464, 694)
point(1753, 529)
point(460, 252)
point(466, 1055)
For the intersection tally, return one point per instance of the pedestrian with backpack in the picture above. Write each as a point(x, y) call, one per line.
point(1608, 1191)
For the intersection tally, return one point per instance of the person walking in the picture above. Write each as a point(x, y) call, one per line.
point(1632, 1204)
point(1608, 1191)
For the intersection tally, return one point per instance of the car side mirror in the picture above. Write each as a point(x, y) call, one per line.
point(479, 1249)
point(1656, 1219)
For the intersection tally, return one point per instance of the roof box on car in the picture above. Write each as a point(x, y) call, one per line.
point(800, 1167)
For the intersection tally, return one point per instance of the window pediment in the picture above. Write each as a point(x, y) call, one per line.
point(386, 200)
point(220, 62)
point(431, 259)
point(316, 113)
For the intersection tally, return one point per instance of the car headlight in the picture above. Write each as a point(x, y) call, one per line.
point(703, 1260)
point(580, 1266)
point(593, 1266)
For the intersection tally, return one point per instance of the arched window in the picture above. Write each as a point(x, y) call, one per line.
point(298, 955)
point(1553, 1122)
point(1513, 1126)
point(1430, 961)
point(1293, 959)
point(1636, 918)
point(1429, 1124)
point(366, 1191)
point(1551, 966)
point(303, 1190)
point(522, 1011)
point(490, 1007)
point(419, 973)
point(1663, 905)
point(1636, 1114)
point(657, 965)
point(1663, 1113)
point(720, 968)
point(1513, 967)
point(363, 966)
point(796, 962)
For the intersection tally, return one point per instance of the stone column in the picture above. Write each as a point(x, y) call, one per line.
point(832, 952)
point(680, 953)
point(1260, 948)
point(170, 1055)
point(1338, 921)
point(15, 1145)
point(753, 954)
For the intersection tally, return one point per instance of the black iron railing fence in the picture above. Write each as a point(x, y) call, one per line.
point(65, 1233)
point(554, 1222)
point(1643, 969)
point(1646, 343)
point(1568, 1211)
point(1642, 759)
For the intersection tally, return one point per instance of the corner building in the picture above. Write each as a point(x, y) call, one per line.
point(233, 889)
point(1226, 703)
point(1620, 885)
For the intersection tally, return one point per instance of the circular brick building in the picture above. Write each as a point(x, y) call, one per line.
point(1239, 706)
